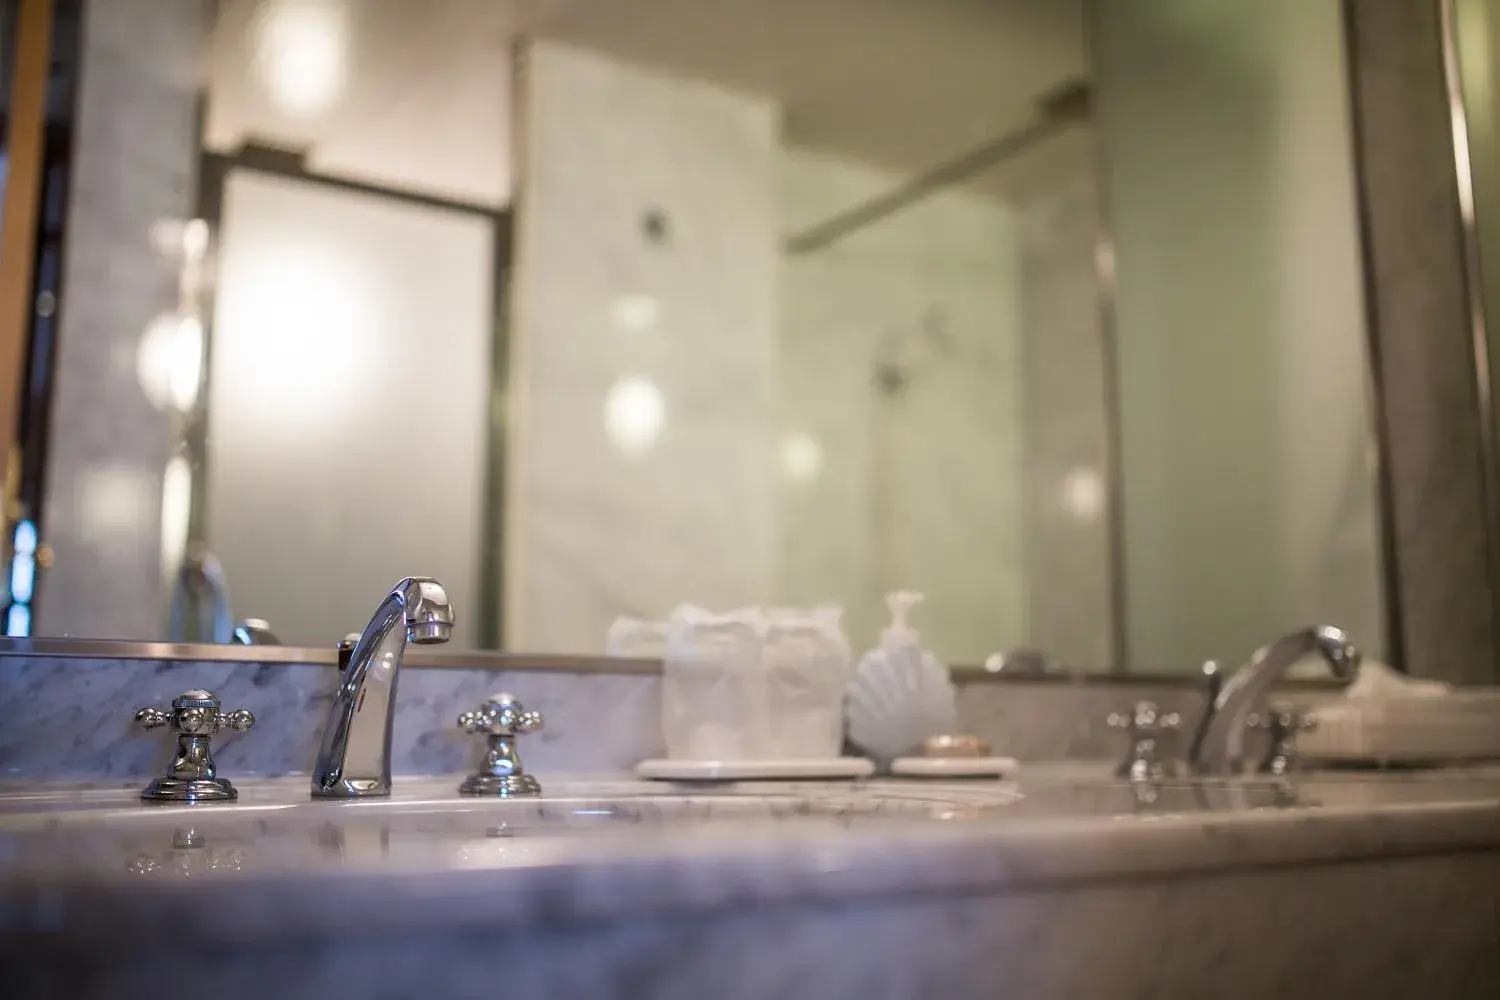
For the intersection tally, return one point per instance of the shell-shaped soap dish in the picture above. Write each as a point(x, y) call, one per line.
point(892, 704)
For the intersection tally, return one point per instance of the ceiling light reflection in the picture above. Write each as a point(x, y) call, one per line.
point(634, 414)
point(169, 361)
point(301, 48)
point(635, 313)
point(1083, 493)
point(801, 458)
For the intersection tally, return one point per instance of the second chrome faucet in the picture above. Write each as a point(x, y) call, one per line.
point(354, 758)
point(1220, 746)
point(1233, 706)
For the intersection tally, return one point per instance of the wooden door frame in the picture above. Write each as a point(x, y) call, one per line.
point(24, 144)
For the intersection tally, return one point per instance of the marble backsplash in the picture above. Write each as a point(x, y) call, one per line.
point(74, 717)
point(64, 717)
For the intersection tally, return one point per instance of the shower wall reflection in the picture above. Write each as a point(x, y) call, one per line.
point(929, 327)
point(829, 394)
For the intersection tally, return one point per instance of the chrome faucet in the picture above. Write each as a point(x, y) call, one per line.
point(254, 632)
point(1220, 747)
point(354, 760)
point(200, 600)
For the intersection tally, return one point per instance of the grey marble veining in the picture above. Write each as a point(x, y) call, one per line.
point(1069, 721)
point(1343, 931)
point(690, 850)
point(1061, 721)
point(72, 718)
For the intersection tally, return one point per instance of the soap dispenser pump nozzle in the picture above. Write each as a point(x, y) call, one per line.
point(900, 604)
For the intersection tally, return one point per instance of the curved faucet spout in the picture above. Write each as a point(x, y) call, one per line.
point(354, 759)
point(1222, 747)
point(425, 610)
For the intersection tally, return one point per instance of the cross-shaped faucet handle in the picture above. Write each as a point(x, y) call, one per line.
point(500, 718)
point(191, 777)
point(500, 715)
point(1145, 724)
point(196, 713)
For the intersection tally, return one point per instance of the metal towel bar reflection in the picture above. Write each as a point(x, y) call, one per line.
point(201, 610)
point(200, 600)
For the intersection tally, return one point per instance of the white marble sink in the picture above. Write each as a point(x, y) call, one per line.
point(425, 825)
point(108, 832)
point(581, 801)
point(275, 825)
point(658, 887)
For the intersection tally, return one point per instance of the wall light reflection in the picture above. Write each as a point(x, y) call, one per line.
point(169, 361)
point(176, 506)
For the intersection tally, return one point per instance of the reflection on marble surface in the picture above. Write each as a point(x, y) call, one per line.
point(1054, 823)
point(426, 825)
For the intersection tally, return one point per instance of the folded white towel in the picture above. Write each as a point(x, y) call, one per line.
point(1376, 680)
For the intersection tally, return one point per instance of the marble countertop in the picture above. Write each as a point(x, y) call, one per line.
point(92, 859)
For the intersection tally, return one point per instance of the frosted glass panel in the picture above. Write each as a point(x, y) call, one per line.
point(347, 399)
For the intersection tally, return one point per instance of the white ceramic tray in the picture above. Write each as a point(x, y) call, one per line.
point(953, 767)
point(1410, 730)
point(823, 768)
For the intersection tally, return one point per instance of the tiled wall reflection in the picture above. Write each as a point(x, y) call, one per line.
point(641, 350)
point(108, 449)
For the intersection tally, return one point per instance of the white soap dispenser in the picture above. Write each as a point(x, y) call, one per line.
point(899, 694)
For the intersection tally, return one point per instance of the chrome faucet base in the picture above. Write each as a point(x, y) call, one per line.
point(504, 786)
point(196, 716)
point(170, 789)
point(501, 719)
point(1149, 728)
point(353, 788)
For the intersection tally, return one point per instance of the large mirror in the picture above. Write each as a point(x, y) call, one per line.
point(1051, 310)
